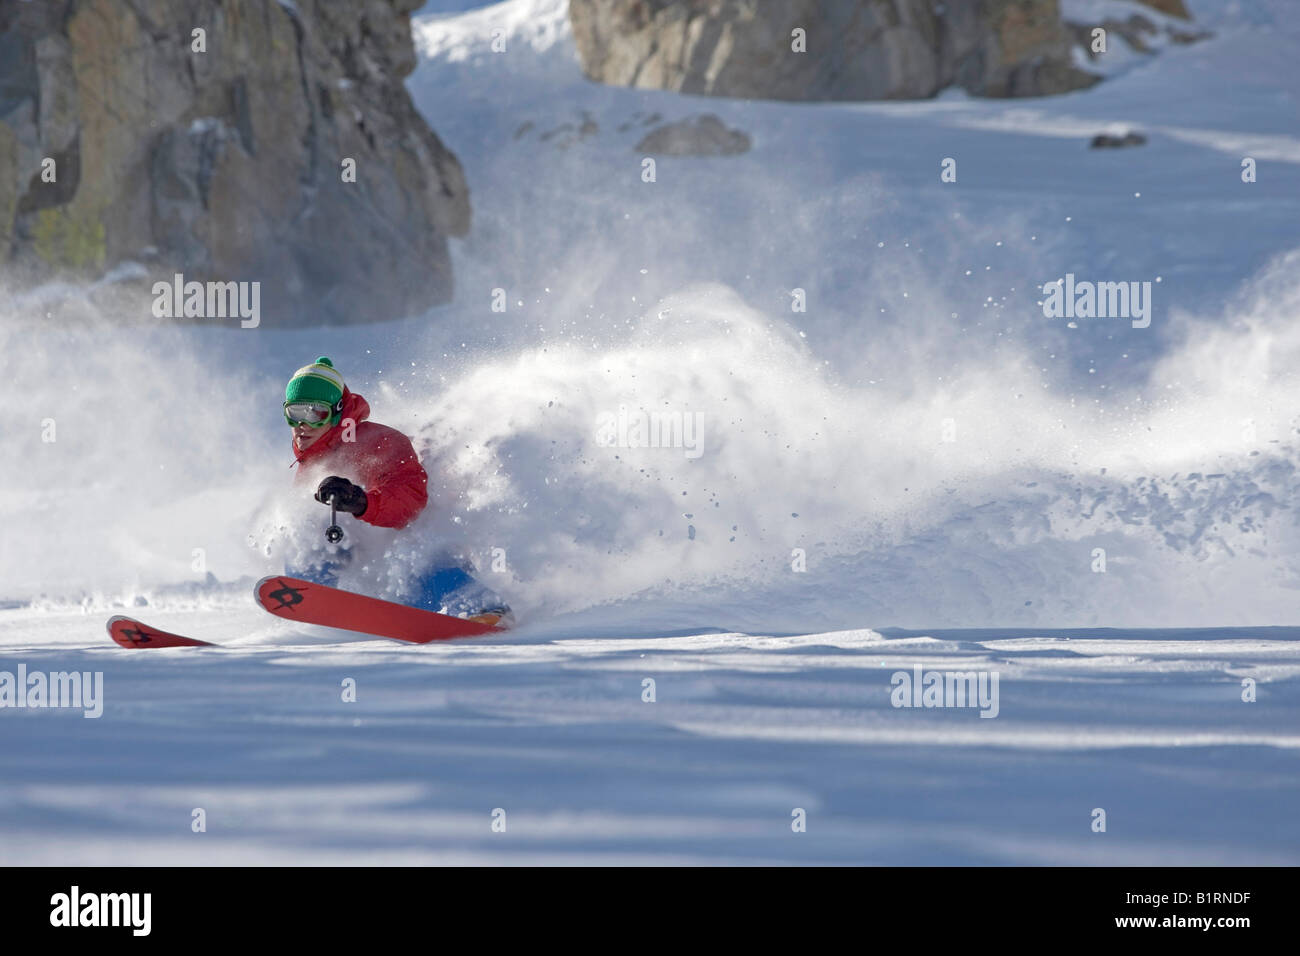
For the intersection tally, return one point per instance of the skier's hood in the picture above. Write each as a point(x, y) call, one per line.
point(354, 407)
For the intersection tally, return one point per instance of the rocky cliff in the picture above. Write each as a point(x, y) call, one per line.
point(215, 138)
point(853, 49)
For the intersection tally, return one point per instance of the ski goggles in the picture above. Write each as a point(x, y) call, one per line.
point(309, 413)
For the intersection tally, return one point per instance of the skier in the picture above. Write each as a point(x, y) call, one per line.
point(375, 475)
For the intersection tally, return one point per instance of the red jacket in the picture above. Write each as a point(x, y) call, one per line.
point(381, 460)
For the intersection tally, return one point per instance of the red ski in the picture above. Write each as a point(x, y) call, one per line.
point(129, 632)
point(296, 600)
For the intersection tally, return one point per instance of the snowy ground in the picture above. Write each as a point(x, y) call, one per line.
point(1172, 449)
point(745, 729)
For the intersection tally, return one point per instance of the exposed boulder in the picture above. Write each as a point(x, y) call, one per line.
point(695, 136)
point(227, 163)
point(1173, 8)
point(855, 49)
point(1115, 141)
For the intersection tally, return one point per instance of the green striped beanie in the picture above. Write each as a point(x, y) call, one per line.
point(317, 382)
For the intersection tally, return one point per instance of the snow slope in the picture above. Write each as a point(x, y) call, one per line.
point(941, 455)
point(745, 729)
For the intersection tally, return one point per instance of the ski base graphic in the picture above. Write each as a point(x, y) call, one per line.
point(128, 632)
point(309, 603)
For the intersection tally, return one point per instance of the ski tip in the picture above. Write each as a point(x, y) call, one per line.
point(130, 633)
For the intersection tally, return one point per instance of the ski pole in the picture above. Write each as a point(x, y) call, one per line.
point(333, 534)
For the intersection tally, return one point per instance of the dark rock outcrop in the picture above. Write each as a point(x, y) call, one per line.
point(227, 164)
point(1113, 141)
point(696, 136)
point(1174, 8)
point(855, 49)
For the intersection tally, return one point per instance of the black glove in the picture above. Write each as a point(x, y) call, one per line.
point(347, 496)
